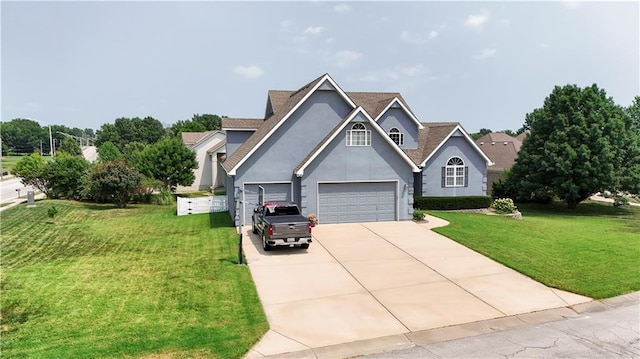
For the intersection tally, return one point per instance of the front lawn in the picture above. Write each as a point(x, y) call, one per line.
point(593, 250)
point(98, 282)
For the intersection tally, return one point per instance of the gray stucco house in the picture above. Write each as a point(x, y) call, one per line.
point(346, 156)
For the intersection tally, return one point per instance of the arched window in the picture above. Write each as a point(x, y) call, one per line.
point(358, 135)
point(396, 136)
point(454, 174)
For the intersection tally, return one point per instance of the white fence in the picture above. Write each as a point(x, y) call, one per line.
point(202, 205)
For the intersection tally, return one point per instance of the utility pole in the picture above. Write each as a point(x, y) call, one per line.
point(51, 143)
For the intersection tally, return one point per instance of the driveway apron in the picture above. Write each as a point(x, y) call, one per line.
point(379, 279)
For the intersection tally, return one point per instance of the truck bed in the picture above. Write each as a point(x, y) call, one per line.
point(296, 218)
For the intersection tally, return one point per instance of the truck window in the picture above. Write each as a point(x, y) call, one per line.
point(281, 211)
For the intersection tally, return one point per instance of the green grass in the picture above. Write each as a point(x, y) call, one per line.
point(8, 162)
point(101, 282)
point(593, 250)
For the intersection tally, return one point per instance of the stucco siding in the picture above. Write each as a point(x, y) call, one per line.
point(341, 163)
point(235, 139)
point(397, 118)
point(276, 159)
point(477, 167)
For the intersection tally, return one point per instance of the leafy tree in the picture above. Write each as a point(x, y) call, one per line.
point(482, 132)
point(70, 146)
point(107, 133)
point(169, 161)
point(574, 148)
point(197, 123)
point(21, 135)
point(126, 130)
point(133, 153)
point(109, 152)
point(32, 171)
point(66, 175)
point(629, 179)
point(113, 182)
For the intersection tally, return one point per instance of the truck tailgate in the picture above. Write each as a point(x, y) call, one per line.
point(290, 230)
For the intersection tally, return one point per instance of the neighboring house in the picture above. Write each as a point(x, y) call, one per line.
point(210, 149)
point(503, 150)
point(346, 156)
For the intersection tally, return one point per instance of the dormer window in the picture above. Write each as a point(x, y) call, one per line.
point(396, 136)
point(358, 135)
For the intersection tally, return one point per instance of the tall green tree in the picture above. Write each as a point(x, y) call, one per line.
point(575, 147)
point(169, 161)
point(197, 123)
point(108, 152)
point(21, 136)
point(70, 146)
point(125, 130)
point(66, 175)
point(32, 171)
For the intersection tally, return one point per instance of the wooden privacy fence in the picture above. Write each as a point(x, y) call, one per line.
point(202, 205)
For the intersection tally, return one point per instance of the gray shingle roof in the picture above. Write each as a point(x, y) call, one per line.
point(501, 148)
point(191, 138)
point(244, 123)
point(429, 138)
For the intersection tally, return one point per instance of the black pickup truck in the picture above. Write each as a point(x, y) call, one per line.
point(281, 224)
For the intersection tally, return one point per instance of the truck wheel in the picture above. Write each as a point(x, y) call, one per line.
point(265, 246)
point(304, 246)
point(253, 227)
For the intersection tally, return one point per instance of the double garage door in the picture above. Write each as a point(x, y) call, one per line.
point(357, 202)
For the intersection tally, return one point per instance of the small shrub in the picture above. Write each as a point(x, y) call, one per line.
point(419, 214)
point(620, 200)
point(164, 198)
point(51, 212)
point(504, 205)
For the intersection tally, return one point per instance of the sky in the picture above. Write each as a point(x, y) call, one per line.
point(483, 64)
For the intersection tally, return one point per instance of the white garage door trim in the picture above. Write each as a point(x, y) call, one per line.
point(244, 209)
point(397, 191)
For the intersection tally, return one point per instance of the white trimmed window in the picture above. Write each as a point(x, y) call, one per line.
point(396, 136)
point(455, 174)
point(358, 135)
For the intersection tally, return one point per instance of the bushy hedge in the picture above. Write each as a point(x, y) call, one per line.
point(451, 203)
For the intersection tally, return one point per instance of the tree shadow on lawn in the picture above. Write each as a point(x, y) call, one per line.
point(584, 209)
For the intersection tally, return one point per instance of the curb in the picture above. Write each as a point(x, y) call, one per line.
point(443, 334)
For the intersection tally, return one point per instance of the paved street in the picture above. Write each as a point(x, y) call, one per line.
point(612, 333)
point(8, 188)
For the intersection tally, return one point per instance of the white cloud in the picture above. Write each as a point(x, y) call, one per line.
point(345, 58)
point(249, 72)
point(408, 37)
point(342, 8)
point(414, 70)
point(485, 54)
point(478, 20)
point(313, 30)
point(543, 45)
point(570, 4)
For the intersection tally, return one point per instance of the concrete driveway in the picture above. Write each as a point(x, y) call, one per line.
point(381, 280)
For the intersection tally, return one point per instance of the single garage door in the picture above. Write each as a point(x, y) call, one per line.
point(272, 192)
point(356, 202)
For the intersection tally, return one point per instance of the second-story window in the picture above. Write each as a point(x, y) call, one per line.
point(396, 136)
point(358, 135)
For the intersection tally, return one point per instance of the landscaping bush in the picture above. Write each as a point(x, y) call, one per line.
point(504, 205)
point(452, 203)
point(419, 214)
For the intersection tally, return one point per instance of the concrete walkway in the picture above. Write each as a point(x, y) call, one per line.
point(365, 288)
